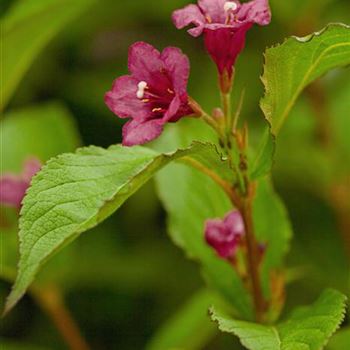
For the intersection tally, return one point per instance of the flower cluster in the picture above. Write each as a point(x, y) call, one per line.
point(13, 187)
point(155, 92)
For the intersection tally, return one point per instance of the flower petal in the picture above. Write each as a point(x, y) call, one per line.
point(224, 45)
point(214, 9)
point(136, 133)
point(234, 222)
point(256, 11)
point(122, 99)
point(190, 14)
point(144, 62)
point(12, 190)
point(171, 113)
point(216, 237)
point(177, 65)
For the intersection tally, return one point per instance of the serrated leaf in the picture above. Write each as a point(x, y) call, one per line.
point(308, 328)
point(75, 192)
point(26, 29)
point(291, 66)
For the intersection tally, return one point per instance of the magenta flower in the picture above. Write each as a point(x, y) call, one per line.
point(225, 236)
point(224, 24)
point(13, 187)
point(154, 94)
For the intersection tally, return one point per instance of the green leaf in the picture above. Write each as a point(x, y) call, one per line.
point(291, 66)
point(190, 198)
point(308, 328)
point(263, 161)
point(43, 131)
point(75, 192)
point(26, 29)
point(272, 227)
point(189, 328)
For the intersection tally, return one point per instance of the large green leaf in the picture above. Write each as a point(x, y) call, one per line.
point(308, 328)
point(74, 192)
point(43, 131)
point(291, 66)
point(189, 328)
point(26, 29)
point(288, 69)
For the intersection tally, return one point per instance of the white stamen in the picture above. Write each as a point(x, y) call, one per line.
point(141, 86)
point(230, 6)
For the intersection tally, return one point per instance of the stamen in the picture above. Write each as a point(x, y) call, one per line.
point(154, 110)
point(208, 18)
point(141, 86)
point(145, 100)
point(170, 91)
point(230, 6)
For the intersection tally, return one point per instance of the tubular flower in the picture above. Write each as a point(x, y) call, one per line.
point(13, 187)
point(154, 94)
point(224, 25)
point(225, 235)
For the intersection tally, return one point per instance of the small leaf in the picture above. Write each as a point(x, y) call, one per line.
point(293, 65)
point(26, 29)
point(75, 192)
point(309, 328)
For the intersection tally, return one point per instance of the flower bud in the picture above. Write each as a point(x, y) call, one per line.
point(225, 236)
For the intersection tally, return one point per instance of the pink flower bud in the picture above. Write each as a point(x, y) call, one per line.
point(225, 235)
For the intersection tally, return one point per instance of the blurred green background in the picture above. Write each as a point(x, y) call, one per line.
point(124, 279)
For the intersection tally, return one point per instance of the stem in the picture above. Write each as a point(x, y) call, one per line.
point(226, 106)
point(51, 301)
point(253, 258)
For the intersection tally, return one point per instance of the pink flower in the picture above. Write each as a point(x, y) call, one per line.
point(13, 187)
point(224, 24)
point(225, 235)
point(154, 94)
